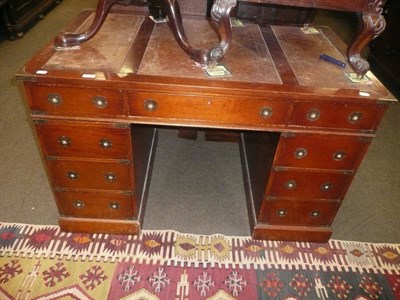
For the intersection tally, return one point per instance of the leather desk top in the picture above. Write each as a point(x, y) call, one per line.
point(131, 48)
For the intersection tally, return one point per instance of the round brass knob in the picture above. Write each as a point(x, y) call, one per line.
point(355, 117)
point(110, 177)
point(339, 155)
point(313, 114)
point(150, 104)
point(99, 102)
point(113, 205)
point(281, 212)
point(290, 184)
point(266, 112)
point(315, 214)
point(105, 143)
point(54, 99)
point(64, 141)
point(78, 204)
point(72, 175)
point(327, 186)
point(300, 153)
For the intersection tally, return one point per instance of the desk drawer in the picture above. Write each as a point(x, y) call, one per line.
point(64, 101)
point(308, 184)
point(96, 205)
point(91, 175)
point(216, 109)
point(337, 115)
point(83, 139)
point(321, 151)
point(299, 213)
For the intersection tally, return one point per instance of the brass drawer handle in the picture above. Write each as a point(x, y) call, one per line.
point(281, 212)
point(315, 214)
point(78, 204)
point(114, 205)
point(64, 141)
point(339, 155)
point(110, 177)
point(327, 186)
point(355, 117)
point(266, 112)
point(54, 99)
point(150, 104)
point(313, 114)
point(300, 153)
point(73, 175)
point(105, 143)
point(99, 102)
point(290, 184)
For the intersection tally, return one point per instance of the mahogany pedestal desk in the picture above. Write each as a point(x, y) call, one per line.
point(304, 126)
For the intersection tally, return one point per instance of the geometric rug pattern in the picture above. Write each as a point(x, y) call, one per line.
point(41, 262)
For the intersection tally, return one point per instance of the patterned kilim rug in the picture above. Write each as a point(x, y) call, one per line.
point(40, 262)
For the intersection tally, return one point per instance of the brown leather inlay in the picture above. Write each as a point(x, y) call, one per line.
point(107, 50)
point(163, 56)
point(302, 51)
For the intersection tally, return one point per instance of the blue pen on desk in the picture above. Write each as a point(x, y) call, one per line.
point(332, 60)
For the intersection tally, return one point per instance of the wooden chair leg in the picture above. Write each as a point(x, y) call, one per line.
point(68, 40)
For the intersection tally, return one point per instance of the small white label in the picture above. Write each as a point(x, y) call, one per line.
point(158, 20)
point(364, 94)
point(89, 76)
point(355, 78)
point(217, 71)
point(237, 23)
point(309, 30)
point(41, 72)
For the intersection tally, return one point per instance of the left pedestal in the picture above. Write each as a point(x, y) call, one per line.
point(97, 181)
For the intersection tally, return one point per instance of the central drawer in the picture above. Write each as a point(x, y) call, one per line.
point(234, 110)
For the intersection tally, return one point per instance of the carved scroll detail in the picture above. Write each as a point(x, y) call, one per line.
point(372, 24)
point(376, 6)
point(220, 16)
point(219, 13)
